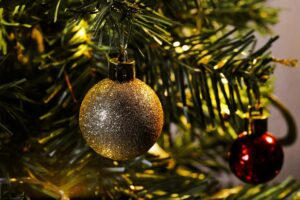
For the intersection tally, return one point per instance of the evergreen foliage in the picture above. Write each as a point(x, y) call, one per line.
point(200, 56)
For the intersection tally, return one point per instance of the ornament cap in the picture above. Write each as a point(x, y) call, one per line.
point(257, 126)
point(121, 70)
point(256, 121)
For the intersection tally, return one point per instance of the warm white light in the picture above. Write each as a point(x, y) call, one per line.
point(166, 93)
point(223, 78)
point(81, 33)
point(254, 61)
point(176, 44)
point(185, 47)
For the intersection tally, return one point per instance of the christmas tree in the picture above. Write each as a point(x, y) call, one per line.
point(201, 59)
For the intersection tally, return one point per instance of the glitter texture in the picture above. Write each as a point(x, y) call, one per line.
point(121, 121)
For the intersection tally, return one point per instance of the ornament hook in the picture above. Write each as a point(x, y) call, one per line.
point(257, 122)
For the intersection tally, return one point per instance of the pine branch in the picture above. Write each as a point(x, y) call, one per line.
point(288, 189)
point(204, 78)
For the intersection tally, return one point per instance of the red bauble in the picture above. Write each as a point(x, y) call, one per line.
point(256, 158)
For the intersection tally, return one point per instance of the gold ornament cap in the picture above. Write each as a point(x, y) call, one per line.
point(121, 69)
point(256, 121)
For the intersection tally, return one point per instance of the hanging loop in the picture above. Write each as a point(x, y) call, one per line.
point(256, 121)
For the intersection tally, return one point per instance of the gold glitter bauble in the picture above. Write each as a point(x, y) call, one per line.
point(121, 120)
